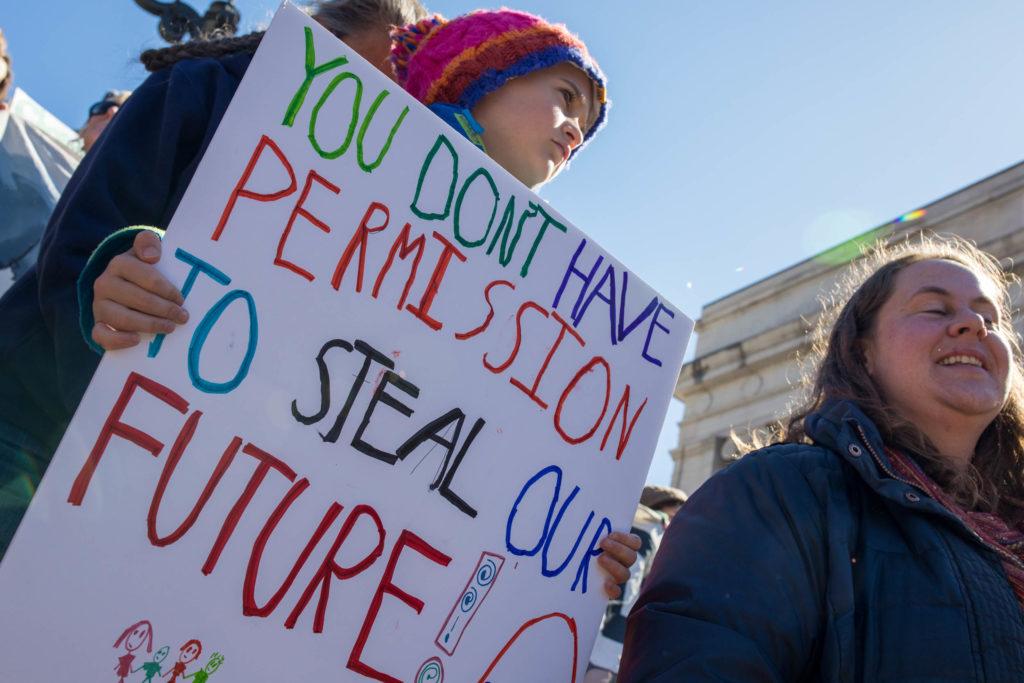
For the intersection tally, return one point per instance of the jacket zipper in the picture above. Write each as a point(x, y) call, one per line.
point(878, 461)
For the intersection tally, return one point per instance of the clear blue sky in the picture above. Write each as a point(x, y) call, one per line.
point(744, 136)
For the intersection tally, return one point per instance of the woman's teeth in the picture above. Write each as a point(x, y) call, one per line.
point(961, 360)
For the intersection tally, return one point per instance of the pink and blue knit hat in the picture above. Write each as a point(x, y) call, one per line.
point(459, 61)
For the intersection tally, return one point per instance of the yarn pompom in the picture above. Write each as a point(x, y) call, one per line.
point(405, 40)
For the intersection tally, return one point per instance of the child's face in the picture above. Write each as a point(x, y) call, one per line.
point(532, 123)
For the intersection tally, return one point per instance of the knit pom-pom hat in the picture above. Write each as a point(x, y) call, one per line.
point(459, 61)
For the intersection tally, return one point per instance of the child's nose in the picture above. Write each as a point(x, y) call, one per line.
point(573, 131)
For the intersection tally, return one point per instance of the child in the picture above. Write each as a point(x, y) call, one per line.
point(525, 91)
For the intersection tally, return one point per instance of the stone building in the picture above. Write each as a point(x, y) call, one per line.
point(748, 342)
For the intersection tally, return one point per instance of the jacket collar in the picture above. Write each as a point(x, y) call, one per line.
point(842, 427)
point(838, 424)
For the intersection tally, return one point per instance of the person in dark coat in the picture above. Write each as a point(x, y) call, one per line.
point(135, 175)
point(880, 538)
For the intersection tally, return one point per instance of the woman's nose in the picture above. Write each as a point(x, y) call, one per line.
point(968, 322)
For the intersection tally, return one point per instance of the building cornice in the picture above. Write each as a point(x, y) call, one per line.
point(742, 357)
point(939, 211)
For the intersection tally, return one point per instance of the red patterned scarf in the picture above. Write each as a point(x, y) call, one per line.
point(1006, 541)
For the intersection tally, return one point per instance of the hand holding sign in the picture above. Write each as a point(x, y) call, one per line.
point(133, 296)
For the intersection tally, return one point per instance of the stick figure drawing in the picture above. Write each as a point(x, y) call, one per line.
point(190, 651)
point(216, 659)
point(132, 639)
point(153, 667)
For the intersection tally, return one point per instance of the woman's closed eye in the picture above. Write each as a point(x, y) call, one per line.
point(935, 310)
point(989, 319)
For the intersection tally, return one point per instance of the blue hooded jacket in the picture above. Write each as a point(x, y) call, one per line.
point(817, 563)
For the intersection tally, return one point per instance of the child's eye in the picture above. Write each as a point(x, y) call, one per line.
point(569, 95)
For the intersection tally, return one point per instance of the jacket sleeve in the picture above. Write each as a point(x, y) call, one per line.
point(117, 242)
point(134, 175)
point(737, 591)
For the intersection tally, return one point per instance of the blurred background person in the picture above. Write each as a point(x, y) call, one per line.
point(100, 114)
point(664, 499)
point(6, 75)
point(658, 504)
point(37, 157)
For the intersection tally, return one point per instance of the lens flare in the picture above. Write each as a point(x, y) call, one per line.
point(850, 249)
point(912, 216)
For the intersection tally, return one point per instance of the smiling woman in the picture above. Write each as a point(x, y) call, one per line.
point(940, 357)
point(905, 348)
point(891, 504)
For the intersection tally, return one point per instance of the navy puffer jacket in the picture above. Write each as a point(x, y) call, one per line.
point(816, 563)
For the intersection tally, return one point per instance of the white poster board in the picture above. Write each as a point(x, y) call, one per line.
point(410, 400)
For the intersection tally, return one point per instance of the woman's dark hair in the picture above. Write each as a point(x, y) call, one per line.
point(836, 369)
point(340, 17)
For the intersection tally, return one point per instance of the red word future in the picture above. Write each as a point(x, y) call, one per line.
point(264, 466)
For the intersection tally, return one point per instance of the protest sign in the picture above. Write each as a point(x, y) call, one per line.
point(410, 401)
